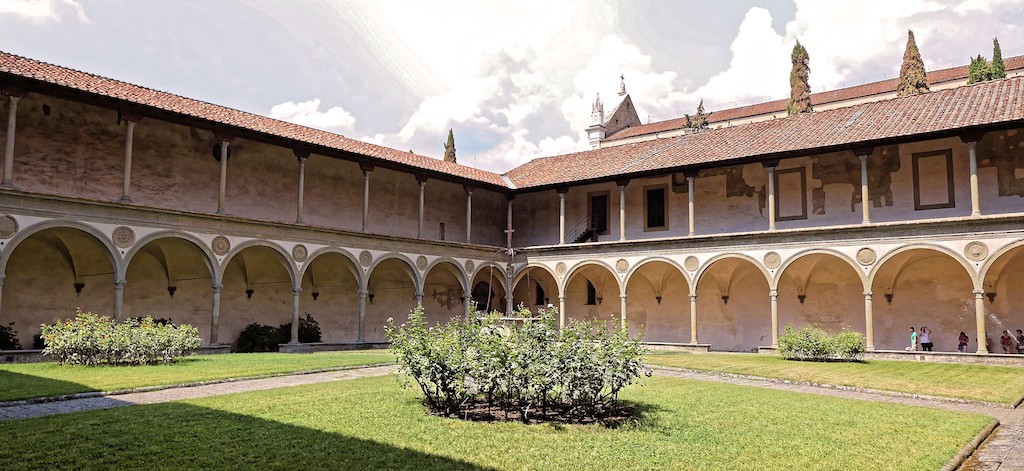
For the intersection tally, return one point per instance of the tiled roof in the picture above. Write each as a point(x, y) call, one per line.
point(934, 113)
point(11, 64)
point(821, 98)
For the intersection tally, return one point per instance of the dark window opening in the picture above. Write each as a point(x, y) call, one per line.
point(591, 293)
point(655, 198)
point(599, 213)
point(539, 298)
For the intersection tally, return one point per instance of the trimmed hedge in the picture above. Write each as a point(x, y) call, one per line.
point(92, 339)
point(814, 344)
point(257, 337)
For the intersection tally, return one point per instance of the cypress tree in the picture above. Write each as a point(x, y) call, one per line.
point(912, 74)
point(978, 70)
point(449, 148)
point(799, 88)
point(998, 68)
point(698, 122)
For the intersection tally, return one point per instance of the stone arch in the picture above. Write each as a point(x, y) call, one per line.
point(607, 287)
point(331, 281)
point(259, 282)
point(657, 300)
point(922, 285)
point(286, 256)
point(52, 268)
point(637, 265)
point(408, 266)
point(803, 253)
point(538, 275)
point(169, 275)
point(733, 303)
point(355, 267)
point(453, 267)
point(487, 287)
point(392, 285)
point(444, 291)
point(821, 287)
point(1002, 282)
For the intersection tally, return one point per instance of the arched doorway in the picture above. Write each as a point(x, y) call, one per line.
point(733, 306)
point(658, 301)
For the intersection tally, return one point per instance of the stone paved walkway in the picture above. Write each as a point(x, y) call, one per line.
point(1003, 451)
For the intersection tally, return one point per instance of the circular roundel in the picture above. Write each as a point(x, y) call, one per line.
point(221, 245)
point(421, 262)
point(691, 263)
point(866, 256)
point(772, 260)
point(622, 265)
point(560, 268)
point(470, 266)
point(976, 251)
point(365, 258)
point(124, 237)
point(8, 226)
point(300, 253)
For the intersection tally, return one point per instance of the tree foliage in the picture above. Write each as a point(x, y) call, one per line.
point(979, 70)
point(998, 68)
point(799, 86)
point(449, 147)
point(912, 74)
point(699, 121)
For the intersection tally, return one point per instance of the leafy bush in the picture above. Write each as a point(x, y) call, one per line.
point(91, 339)
point(524, 368)
point(814, 344)
point(9, 338)
point(257, 337)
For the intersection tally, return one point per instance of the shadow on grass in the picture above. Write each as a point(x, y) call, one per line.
point(16, 386)
point(612, 416)
point(183, 436)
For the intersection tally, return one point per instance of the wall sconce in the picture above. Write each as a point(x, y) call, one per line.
point(171, 290)
point(991, 297)
point(888, 298)
point(370, 295)
point(658, 298)
point(599, 299)
point(801, 297)
point(316, 294)
point(547, 301)
point(725, 298)
point(249, 292)
point(78, 288)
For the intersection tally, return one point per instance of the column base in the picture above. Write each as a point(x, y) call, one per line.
point(6, 184)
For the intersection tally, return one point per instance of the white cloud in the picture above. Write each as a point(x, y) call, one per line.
point(43, 11)
point(307, 113)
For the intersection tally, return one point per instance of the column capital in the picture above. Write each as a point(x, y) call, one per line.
point(978, 293)
point(468, 189)
point(774, 293)
point(562, 190)
point(868, 294)
point(863, 151)
point(771, 164)
point(216, 287)
point(129, 116)
point(971, 137)
point(693, 297)
point(691, 172)
point(301, 154)
point(224, 138)
point(363, 293)
point(119, 284)
point(14, 95)
point(421, 178)
point(296, 291)
point(561, 298)
point(622, 296)
point(622, 183)
point(366, 167)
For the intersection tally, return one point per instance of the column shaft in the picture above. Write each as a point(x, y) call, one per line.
point(129, 137)
point(975, 193)
point(690, 208)
point(467, 301)
point(622, 212)
point(693, 319)
point(864, 203)
point(469, 215)
point(366, 198)
point(223, 175)
point(302, 189)
point(419, 299)
point(419, 227)
point(118, 298)
point(12, 117)
point(771, 198)
point(295, 314)
point(361, 335)
point(869, 322)
point(561, 312)
point(979, 314)
point(622, 312)
point(775, 317)
point(561, 218)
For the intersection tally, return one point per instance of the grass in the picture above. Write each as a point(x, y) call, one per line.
point(1001, 384)
point(29, 380)
point(374, 424)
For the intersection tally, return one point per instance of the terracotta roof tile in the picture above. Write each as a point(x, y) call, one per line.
point(11, 64)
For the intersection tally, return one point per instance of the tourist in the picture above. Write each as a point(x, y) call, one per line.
point(962, 345)
point(1020, 341)
point(926, 339)
point(1007, 341)
point(913, 341)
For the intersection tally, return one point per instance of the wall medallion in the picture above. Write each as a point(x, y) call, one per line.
point(560, 268)
point(365, 258)
point(866, 256)
point(299, 253)
point(772, 260)
point(221, 245)
point(124, 237)
point(470, 266)
point(622, 265)
point(976, 251)
point(421, 262)
point(8, 226)
point(691, 263)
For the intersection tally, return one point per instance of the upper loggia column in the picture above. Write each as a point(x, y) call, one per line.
point(423, 184)
point(691, 178)
point(771, 193)
point(224, 155)
point(301, 156)
point(561, 214)
point(12, 118)
point(972, 154)
point(469, 213)
point(129, 138)
point(622, 208)
point(864, 198)
point(366, 168)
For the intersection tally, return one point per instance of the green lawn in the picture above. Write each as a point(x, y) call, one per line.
point(374, 424)
point(22, 381)
point(1000, 384)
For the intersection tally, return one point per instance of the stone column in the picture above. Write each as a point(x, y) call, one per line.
point(12, 117)
point(224, 143)
point(295, 315)
point(864, 203)
point(366, 168)
point(774, 293)
point(869, 322)
point(622, 312)
point(215, 315)
point(561, 215)
point(622, 209)
point(361, 336)
point(693, 319)
point(689, 186)
point(419, 298)
point(302, 185)
point(129, 138)
point(467, 301)
point(423, 185)
point(119, 298)
point(469, 213)
point(975, 193)
point(979, 314)
point(561, 312)
point(771, 195)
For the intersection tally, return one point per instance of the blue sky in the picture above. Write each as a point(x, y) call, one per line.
point(515, 79)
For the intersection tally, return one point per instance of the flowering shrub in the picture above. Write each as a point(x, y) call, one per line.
point(814, 344)
point(91, 339)
point(524, 367)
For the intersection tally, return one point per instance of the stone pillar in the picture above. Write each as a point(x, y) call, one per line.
point(215, 315)
point(561, 215)
point(295, 315)
point(361, 336)
point(975, 194)
point(119, 298)
point(622, 310)
point(302, 185)
point(223, 174)
point(129, 138)
point(366, 168)
point(774, 293)
point(869, 322)
point(561, 312)
point(864, 203)
point(771, 195)
point(689, 186)
point(419, 298)
point(423, 185)
point(12, 117)
point(467, 301)
point(469, 214)
point(979, 314)
point(622, 210)
point(693, 319)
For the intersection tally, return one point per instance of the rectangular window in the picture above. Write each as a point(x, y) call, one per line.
point(933, 180)
point(440, 231)
point(539, 299)
point(790, 194)
point(599, 211)
point(656, 208)
point(591, 293)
